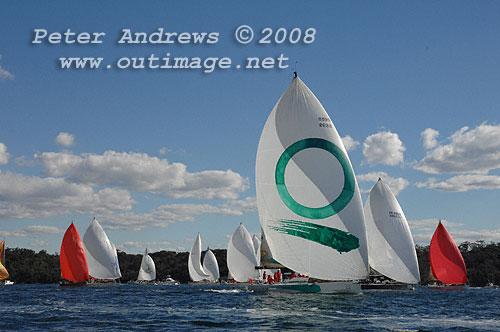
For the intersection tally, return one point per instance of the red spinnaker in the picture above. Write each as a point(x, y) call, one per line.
point(447, 263)
point(72, 258)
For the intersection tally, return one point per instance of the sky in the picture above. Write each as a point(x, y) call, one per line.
point(160, 154)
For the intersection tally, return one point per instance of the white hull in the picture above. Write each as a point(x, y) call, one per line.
point(329, 287)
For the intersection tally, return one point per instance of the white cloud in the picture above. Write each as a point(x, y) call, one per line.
point(469, 151)
point(39, 244)
point(141, 173)
point(396, 184)
point(164, 150)
point(429, 138)
point(152, 246)
point(33, 231)
point(65, 139)
point(4, 155)
point(349, 143)
point(23, 161)
point(165, 215)
point(4, 74)
point(422, 231)
point(462, 183)
point(33, 197)
point(385, 148)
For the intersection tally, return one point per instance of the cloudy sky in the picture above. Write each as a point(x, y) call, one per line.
point(160, 155)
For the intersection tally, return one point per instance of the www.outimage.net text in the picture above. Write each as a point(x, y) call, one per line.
point(243, 35)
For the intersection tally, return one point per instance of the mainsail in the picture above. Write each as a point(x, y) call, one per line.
point(391, 250)
point(447, 263)
point(308, 199)
point(101, 253)
point(147, 272)
point(4, 274)
point(72, 258)
point(241, 257)
point(210, 266)
point(196, 271)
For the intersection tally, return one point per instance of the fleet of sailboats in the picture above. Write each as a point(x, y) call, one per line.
point(311, 216)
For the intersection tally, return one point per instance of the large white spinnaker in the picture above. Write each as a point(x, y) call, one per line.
point(391, 250)
point(101, 253)
point(210, 266)
point(308, 199)
point(241, 257)
point(196, 271)
point(147, 272)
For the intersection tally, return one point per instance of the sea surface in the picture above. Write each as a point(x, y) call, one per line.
point(130, 307)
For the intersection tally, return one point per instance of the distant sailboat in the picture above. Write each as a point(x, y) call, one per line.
point(73, 261)
point(308, 199)
point(391, 250)
point(196, 271)
point(447, 263)
point(210, 266)
point(147, 271)
point(241, 256)
point(4, 274)
point(101, 254)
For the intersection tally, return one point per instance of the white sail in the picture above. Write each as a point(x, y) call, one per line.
point(241, 258)
point(210, 266)
point(391, 250)
point(256, 245)
point(147, 272)
point(196, 271)
point(308, 199)
point(101, 253)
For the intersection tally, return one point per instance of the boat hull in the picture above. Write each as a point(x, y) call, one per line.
point(388, 286)
point(333, 287)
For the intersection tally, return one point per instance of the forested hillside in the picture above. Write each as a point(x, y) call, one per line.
point(27, 266)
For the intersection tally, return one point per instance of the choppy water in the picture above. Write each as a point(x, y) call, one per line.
point(188, 308)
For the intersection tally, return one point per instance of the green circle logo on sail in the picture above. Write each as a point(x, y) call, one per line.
point(328, 210)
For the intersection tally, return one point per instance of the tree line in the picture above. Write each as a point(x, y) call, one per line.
point(27, 266)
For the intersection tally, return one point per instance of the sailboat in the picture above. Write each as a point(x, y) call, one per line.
point(101, 255)
point(391, 250)
point(147, 271)
point(309, 203)
point(210, 266)
point(447, 263)
point(196, 271)
point(73, 261)
point(241, 256)
point(4, 274)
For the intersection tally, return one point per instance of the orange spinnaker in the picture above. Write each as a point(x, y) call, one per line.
point(447, 263)
point(72, 258)
point(2, 252)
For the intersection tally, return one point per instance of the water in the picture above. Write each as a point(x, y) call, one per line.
point(222, 308)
